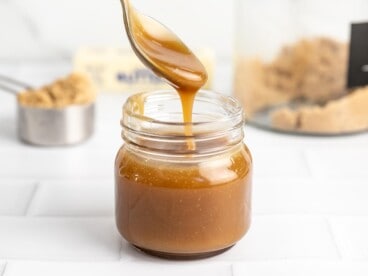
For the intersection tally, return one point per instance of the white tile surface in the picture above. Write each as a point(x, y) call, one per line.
point(92, 197)
point(277, 195)
point(284, 237)
point(256, 137)
point(7, 120)
point(2, 267)
point(15, 196)
point(44, 163)
point(59, 239)
point(114, 268)
point(300, 268)
point(351, 236)
point(338, 161)
point(310, 196)
point(342, 196)
point(276, 162)
point(274, 238)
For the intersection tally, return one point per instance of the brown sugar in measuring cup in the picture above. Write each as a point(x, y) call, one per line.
point(58, 114)
point(75, 89)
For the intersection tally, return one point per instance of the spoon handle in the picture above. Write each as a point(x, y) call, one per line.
point(10, 83)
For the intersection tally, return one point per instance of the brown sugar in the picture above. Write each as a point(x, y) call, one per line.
point(75, 89)
point(347, 114)
point(253, 90)
point(325, 75)
point(310, 74)
point(183, 208)
point(313, 70)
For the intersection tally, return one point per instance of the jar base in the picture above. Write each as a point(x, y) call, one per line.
point(182, 256)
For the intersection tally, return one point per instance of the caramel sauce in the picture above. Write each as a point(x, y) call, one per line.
point(175, 208)
point(183, 209)
point(166, 55)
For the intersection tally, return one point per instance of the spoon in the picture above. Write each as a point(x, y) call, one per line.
point(162, 51)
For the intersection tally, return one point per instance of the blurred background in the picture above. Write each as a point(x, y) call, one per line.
point(43, 29)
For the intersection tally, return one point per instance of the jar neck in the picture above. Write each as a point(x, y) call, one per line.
point(152, 123)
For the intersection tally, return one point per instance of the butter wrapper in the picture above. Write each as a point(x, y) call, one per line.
point(119, 70)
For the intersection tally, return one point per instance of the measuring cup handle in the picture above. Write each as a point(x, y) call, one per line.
point(9, 82)
point(9, 89)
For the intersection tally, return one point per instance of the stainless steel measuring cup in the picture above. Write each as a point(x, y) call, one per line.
point(51, 126)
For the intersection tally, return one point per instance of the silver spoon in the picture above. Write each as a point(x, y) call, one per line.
point(162, 51)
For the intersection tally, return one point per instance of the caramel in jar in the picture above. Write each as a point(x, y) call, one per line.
point(183, 209)
point(178, 203)
point(183, 183)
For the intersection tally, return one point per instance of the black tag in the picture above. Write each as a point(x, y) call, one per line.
point(358, 57)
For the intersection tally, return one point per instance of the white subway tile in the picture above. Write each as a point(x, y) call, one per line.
point(276, 162)
point(351, 236)
point(283, 195)
point(256, 137)
point(284, 237)
point(8, 132)
point(338, 162)
point(300, 268)
point(343, 196)
point(15, 196)
point(94, 239)
point(309, 196)
point(115, 268)
point(93, 197)
point(271, 238)
point(106, 136)
point(45, 163)
point(8, 122)
point(2, 267)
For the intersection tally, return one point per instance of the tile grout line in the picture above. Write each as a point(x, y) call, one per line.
point(121, 250)
point(232, 269)
point(31, 199)
point(306, 214)
point(307, 164)
point(330, 231)
point(2, 272)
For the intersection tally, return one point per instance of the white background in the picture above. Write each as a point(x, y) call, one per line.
point(52, 29)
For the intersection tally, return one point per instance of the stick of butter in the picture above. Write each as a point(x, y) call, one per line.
point(119, 70)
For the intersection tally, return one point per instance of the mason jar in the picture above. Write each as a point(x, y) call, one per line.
point(301, 66)
point(181, 196)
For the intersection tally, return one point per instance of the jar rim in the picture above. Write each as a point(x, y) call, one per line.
point(131, 109)
point(218, 122)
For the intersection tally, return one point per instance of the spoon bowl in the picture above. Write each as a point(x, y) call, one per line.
point(162, 51)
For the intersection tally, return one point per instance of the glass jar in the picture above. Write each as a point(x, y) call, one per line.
point(301, 65)
point(179, 201)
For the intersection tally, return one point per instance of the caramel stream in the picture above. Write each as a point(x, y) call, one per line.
point(168, 57)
